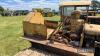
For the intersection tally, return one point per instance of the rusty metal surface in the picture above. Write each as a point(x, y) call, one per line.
point(51, 24)
point(33, 24)
point(57, 48)
point(94, 17)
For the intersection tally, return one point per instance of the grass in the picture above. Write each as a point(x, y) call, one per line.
point(11, 33)
point(54, 18)
point(11, 40)
point(98, 15)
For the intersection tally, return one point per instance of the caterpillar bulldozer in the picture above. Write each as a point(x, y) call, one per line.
point(75, 35)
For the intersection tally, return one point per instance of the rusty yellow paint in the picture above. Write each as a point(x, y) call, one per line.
point(34, 24)
point(76, 3)
point(37, 18)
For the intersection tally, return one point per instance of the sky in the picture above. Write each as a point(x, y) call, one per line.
point(29, 4)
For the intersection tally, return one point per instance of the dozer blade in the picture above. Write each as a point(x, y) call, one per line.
point(57, 48)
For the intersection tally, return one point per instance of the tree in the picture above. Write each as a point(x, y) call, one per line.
point(1, 9)
point(37, 9)
point(95, 4)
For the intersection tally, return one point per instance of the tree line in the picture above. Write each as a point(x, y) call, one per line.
point(7, 12)
point(46, 12)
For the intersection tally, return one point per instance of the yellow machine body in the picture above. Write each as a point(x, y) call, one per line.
point(33, 24)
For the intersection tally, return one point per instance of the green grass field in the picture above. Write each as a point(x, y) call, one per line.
point(11, 33)
point(11, 40)
point(54, 18)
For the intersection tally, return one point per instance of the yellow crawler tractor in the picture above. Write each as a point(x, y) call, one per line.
point(67, 39)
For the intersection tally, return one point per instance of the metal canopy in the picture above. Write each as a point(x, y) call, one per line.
point(76, 3)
